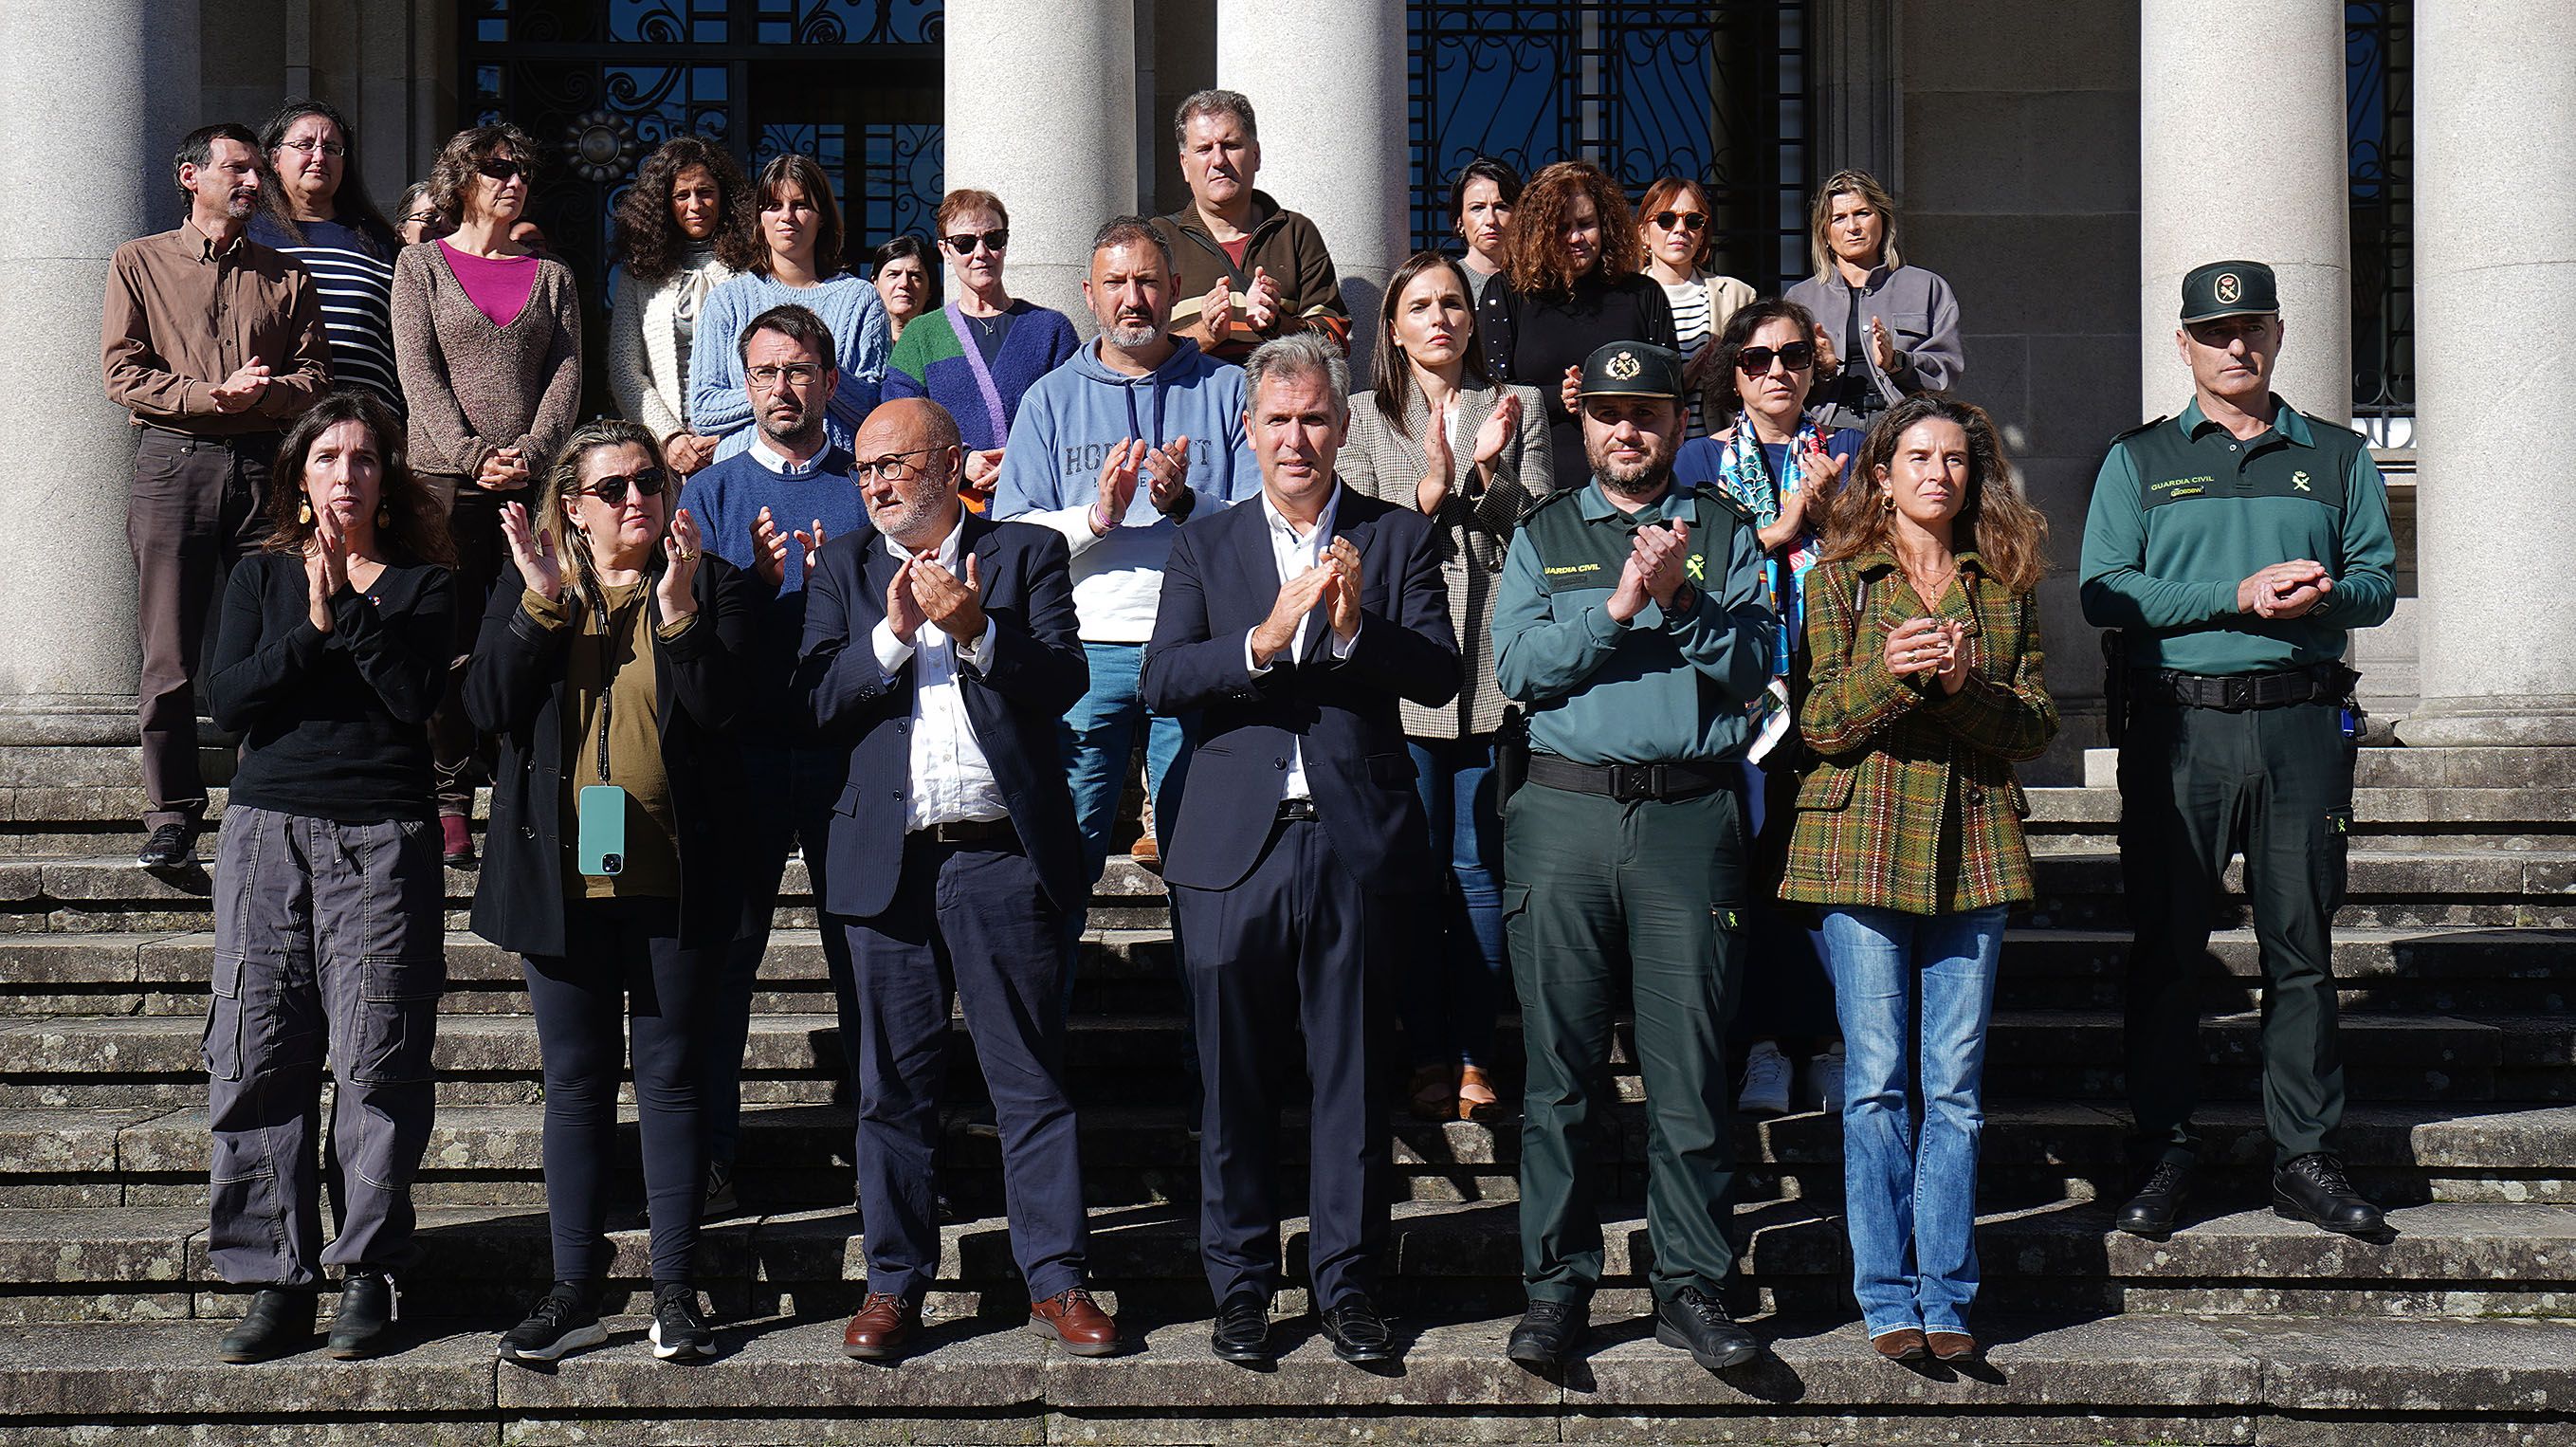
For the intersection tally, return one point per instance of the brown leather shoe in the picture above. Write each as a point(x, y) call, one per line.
point(883, 1327)
point(1477, 1098)
point(1077, 1321)
point(1951, 1346)
point(1147, 854)
point(1432, 1093)
point(1905, 1344)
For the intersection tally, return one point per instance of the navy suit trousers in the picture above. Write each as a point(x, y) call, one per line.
point(1297, 940)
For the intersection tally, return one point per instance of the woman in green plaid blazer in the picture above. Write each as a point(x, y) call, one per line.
point(1921, 689)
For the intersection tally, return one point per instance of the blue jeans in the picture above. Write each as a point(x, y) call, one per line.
point(1453, 972)
point(1910, 1196)
point(1097, 736)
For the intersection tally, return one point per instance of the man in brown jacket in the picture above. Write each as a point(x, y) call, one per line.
point(1244, 270)
point(214, 343)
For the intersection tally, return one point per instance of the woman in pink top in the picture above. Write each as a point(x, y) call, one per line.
point(487, 335)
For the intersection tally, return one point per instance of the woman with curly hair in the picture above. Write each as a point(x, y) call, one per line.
point(1921, 688)
point(683, 227)
point(1573, 286)
point(329, 921)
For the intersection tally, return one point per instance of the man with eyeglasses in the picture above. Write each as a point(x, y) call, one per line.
point(1246, 269)
point(766, 509)
point(213, 343)
point(940, 649)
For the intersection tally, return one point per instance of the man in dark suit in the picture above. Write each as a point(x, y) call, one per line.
point(942, 650)
point(1292, 625)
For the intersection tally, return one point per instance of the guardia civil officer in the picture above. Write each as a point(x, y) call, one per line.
point(1631, 619)
point(2233, 548)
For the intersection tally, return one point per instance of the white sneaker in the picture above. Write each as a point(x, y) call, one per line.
point(1825, 1077)
point(1766, 1081)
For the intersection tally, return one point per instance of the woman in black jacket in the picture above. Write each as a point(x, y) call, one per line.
point(328, 932)
point(610, 664)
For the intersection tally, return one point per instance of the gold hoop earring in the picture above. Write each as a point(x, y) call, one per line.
point(1886, 501)
point(304, 513)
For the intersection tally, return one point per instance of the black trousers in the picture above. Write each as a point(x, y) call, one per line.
point(199, 504)
point(2196, 786)
point(1298, 943)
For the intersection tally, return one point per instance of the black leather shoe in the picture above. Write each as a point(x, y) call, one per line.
point(365, 1318)
point(2152, 1210)
point(1242, 1332)
point(1698, 1323)
point(170, 847)
point(2313, 1189)
point(1547, 1335)
point(1357, 1332)
point(278, 1322)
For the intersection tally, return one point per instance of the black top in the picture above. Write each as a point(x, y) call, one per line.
point(1533, 339)
point(333, 725)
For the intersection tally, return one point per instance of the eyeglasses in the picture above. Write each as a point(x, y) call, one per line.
point(1756, 361)
point(892, 466)
point(500, 168)
point(768, 375)
point(423, 218)
point(963, 243)
point(1680, 220)
point(308, 146)
point(612, 489)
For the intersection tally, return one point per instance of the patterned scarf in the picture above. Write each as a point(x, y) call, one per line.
point(1746, 476)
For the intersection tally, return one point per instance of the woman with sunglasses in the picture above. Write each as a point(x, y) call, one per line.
point(900, 270)
point(488, 335)
point(1772, 458)
point(799, 261)
point(319, 213)
point(1890, 330)
point(683, 229)
point(415, 220)
point(978, 355)
point(1674, 226)
point(611, 663)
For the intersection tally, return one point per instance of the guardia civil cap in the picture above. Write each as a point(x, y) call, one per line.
point(2228, 289)
point(1633, 369)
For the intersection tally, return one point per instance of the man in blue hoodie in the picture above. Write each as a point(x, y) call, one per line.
point(1117, 449)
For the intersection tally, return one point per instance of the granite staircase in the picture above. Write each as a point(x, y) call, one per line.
point(2456, 954)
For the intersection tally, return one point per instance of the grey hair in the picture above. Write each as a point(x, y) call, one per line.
point(1299, 354)
point(1130, 231)
point(1214, 103)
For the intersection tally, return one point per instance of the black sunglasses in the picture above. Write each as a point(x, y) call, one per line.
point(1756, 361)
point(612, 488)
point(963, 243)
point(1680, 220)
point(499, 168)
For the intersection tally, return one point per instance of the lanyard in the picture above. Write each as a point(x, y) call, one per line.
point(607, 675)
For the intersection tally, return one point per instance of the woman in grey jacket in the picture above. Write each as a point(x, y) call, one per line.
point(1884, 330)
point(1437, 434)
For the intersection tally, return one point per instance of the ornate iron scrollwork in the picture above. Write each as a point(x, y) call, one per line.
point(2379, 74)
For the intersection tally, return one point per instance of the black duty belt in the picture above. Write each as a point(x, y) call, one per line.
point(1291, 810)
point(967, 831)
point(2239, 692)
point(1628, 783)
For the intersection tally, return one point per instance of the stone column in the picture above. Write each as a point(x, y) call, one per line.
point(1335, 140)
point(2495, 303)
point(2242, 152)
point(1041, 111)
point(110, 87)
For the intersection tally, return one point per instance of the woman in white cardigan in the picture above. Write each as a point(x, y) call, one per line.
point(686, 224)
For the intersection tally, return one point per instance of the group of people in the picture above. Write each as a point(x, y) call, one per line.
point(1631, 624)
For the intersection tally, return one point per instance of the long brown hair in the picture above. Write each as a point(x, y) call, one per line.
point(414, 527)
point(809, 177)
point(2010, 536)
point(650, 244)
point(1394, 371)
point(1540, 263)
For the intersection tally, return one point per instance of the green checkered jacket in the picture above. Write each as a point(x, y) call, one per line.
point(1912, 804)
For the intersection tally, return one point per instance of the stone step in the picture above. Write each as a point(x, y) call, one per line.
point(2413, 769)
point(2483, 809)
point(2301, 1379)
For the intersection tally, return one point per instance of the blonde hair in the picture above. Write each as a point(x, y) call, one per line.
point(563, 479)
point(1866, 187)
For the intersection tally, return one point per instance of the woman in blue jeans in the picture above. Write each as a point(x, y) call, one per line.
point(1921, 689)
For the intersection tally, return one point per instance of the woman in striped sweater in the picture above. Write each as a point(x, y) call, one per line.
point(319, 213)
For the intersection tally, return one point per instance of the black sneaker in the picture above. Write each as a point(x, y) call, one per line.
point(365, 1317)
point(565, 1319)
point(279, 1322)
point(172, 846)
point(679, 1330)
point(1698, 1323)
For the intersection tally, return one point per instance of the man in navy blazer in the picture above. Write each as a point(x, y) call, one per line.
point(1291, 626)
point(941, 649)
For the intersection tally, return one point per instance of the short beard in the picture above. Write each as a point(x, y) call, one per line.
point(1643, 479)
point(808, 429)
point(1131, 338)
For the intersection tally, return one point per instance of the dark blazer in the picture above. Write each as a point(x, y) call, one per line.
point(515, 688)
point(1218, 585)
point(1035, 674)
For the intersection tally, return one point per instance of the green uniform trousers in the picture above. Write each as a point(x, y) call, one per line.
point(2197, 785)
point(1592, 885)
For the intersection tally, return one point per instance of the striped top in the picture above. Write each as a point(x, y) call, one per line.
point(353, 271)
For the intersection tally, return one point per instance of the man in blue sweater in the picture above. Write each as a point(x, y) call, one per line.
point(767, 509)
point(1118, 449)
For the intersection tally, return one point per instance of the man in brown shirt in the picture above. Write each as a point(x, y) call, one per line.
point(214, 343)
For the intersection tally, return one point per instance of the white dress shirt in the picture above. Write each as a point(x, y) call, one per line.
point(1293, 553)
point(950, 780)
point(784, 465)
